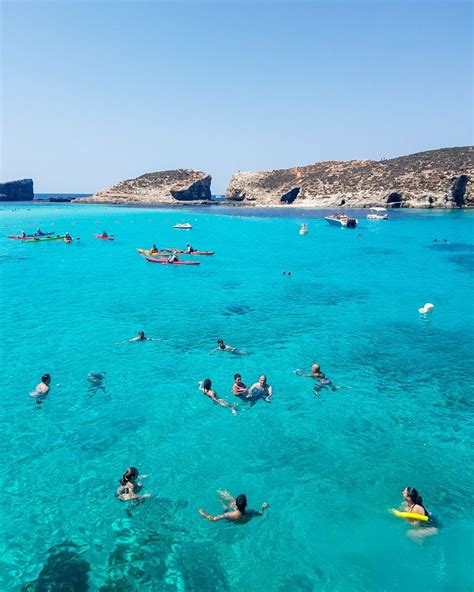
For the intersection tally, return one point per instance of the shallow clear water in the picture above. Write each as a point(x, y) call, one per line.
point(328, 466)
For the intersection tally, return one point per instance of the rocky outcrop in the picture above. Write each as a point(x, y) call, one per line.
point(433, 179)
point(17, 190)
point(164, 188)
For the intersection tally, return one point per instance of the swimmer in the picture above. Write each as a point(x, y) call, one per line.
point(413, 502)
point(42, 389)
point(261, 389)
point(239, 389)
point(320, 377)
point(129, 487)
point(205, 387)
point(221, 346)
point(236, 510)
point(139, 337)
point(96, 382)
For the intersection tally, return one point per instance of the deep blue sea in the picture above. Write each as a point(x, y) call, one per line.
point(329, 466)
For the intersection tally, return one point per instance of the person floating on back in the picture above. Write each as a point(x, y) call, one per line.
point(234, 509)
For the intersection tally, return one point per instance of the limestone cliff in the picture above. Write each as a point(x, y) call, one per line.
point(434, 179)
point(164, 188)
point(17, 190)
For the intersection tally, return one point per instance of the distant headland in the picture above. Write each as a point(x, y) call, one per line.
point(433, 179)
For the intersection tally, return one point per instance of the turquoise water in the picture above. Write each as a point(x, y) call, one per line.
point(329, 466)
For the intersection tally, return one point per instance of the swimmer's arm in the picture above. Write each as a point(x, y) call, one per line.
point(270, 394)
point(301, 373)
point(225, 495)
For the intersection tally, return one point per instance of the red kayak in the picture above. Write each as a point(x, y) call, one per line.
point(19, 237)
point(166, 262)
point(102, 237)
point(183, 252)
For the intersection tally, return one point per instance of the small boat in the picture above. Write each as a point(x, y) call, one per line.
point(102, 237)
point(166, 262)
point(377, 214)
point(185, 226)
point(341, 220)
point(184, 252)
point(304, 229)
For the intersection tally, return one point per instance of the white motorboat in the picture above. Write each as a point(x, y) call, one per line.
point(377, 214)
point(304, 229)
point(341, 220)
point(184, 226)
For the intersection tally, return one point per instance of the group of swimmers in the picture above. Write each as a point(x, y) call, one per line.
point(235, 509)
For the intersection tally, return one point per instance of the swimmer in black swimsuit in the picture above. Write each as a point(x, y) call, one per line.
point(413, 502)
point(236, 510)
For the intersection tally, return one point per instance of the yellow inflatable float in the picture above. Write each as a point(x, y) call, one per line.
point(410, 515)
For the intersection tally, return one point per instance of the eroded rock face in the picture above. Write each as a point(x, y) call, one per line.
point(17, 190)
point(437, 178)
point(164, 187)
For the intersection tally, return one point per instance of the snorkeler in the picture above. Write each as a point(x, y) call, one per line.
point(413, 503)
point(236, 510)
point(260, 389)
point(221, 346)
point(239, 389)
point(205, 387)
point(96, 382)
point(129, 487)
point(42, 389)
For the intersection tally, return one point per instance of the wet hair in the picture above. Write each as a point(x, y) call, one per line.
point(416, 498)
point(220, 341)
point(206, 385)
point(130, 473)
point(237, 376)
point(141, 333)
point(241, 502)
point(45, 377)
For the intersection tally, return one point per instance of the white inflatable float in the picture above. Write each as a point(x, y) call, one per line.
point(426, 309)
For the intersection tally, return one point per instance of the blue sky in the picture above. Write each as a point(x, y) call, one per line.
point(97, 92)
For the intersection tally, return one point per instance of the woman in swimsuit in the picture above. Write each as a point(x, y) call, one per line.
point(236, 510)
point(205, 387)
point(238, 388)
point(129, 487)
point(413, 502)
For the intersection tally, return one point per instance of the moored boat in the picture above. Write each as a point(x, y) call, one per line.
point(341, 220)
point(377, 214)
point(184, 226)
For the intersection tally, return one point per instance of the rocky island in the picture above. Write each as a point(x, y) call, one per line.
point(17, 190)
point(433, 179)
point(181, 186)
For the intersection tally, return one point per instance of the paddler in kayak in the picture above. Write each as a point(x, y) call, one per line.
point(190, 249)
point(104, 234)
point(154, 250)
point(173, 257)
point(38, 232)
point(23, 234)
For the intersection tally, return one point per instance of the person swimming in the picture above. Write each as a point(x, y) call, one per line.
point(140, 337)
point(413, 502)
point(236, 510)
point(221, 346)
point(205, 386)
point(130, 487)
point(239, 389)
point(42, 389)
point(260, 389)
point(96, 382)
point(321, 380)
